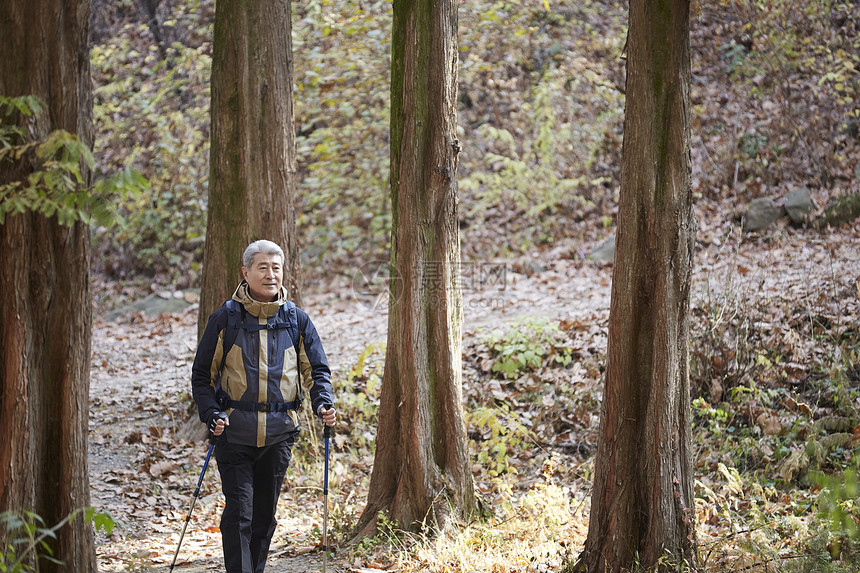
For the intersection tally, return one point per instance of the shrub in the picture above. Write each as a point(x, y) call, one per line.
point(24, 538)
point(527, 345)
point(502, 434)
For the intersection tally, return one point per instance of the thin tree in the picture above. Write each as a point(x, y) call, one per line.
point(252, 154)
point(45, 306)
point(421, 468)
point(642, 506)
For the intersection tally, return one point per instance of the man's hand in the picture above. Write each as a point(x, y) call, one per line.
point(218, 421)
point(329, 416)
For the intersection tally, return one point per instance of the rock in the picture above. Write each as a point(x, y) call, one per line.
point(155, 304)
point(761, 214)
point(799, 205)
point(843, 209)
point(604, 253)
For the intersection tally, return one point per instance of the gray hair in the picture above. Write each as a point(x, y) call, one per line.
point(261, 246)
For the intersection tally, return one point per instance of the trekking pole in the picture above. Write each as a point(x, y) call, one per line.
point(326, 435)
point(193, 502)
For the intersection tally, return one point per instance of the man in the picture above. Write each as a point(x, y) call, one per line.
point(245, 381)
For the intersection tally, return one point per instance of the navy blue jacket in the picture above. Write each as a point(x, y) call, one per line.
point(264, 370)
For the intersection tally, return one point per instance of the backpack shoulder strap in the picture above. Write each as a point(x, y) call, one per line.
point(292, 319)
point(235, 316)
point(291, 313)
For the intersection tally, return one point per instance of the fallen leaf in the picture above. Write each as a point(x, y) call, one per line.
point(160, 468)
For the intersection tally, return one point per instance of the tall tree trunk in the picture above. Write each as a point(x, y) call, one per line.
point(252, 176)
point(421, 467)
point(45, 307)
point(642, 505)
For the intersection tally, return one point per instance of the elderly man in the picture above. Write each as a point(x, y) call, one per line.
point(257, 353)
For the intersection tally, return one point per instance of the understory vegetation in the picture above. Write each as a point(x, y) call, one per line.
point(776, 432)
point(774, 356)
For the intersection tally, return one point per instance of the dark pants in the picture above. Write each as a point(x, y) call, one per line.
point(251, 479)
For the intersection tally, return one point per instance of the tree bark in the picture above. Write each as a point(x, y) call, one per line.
point(421, 468)
point(252, 177)
point(642, 504)
point(45, 306)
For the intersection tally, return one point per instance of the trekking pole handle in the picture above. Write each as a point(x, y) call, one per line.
point(212, 437)
point(326, 427)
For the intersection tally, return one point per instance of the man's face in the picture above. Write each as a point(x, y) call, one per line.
point(264, 277)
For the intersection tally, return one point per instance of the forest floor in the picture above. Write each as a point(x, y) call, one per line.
point(143, 468)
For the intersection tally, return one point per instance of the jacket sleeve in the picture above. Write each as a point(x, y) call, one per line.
point(315, 372)
point(207, 363)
